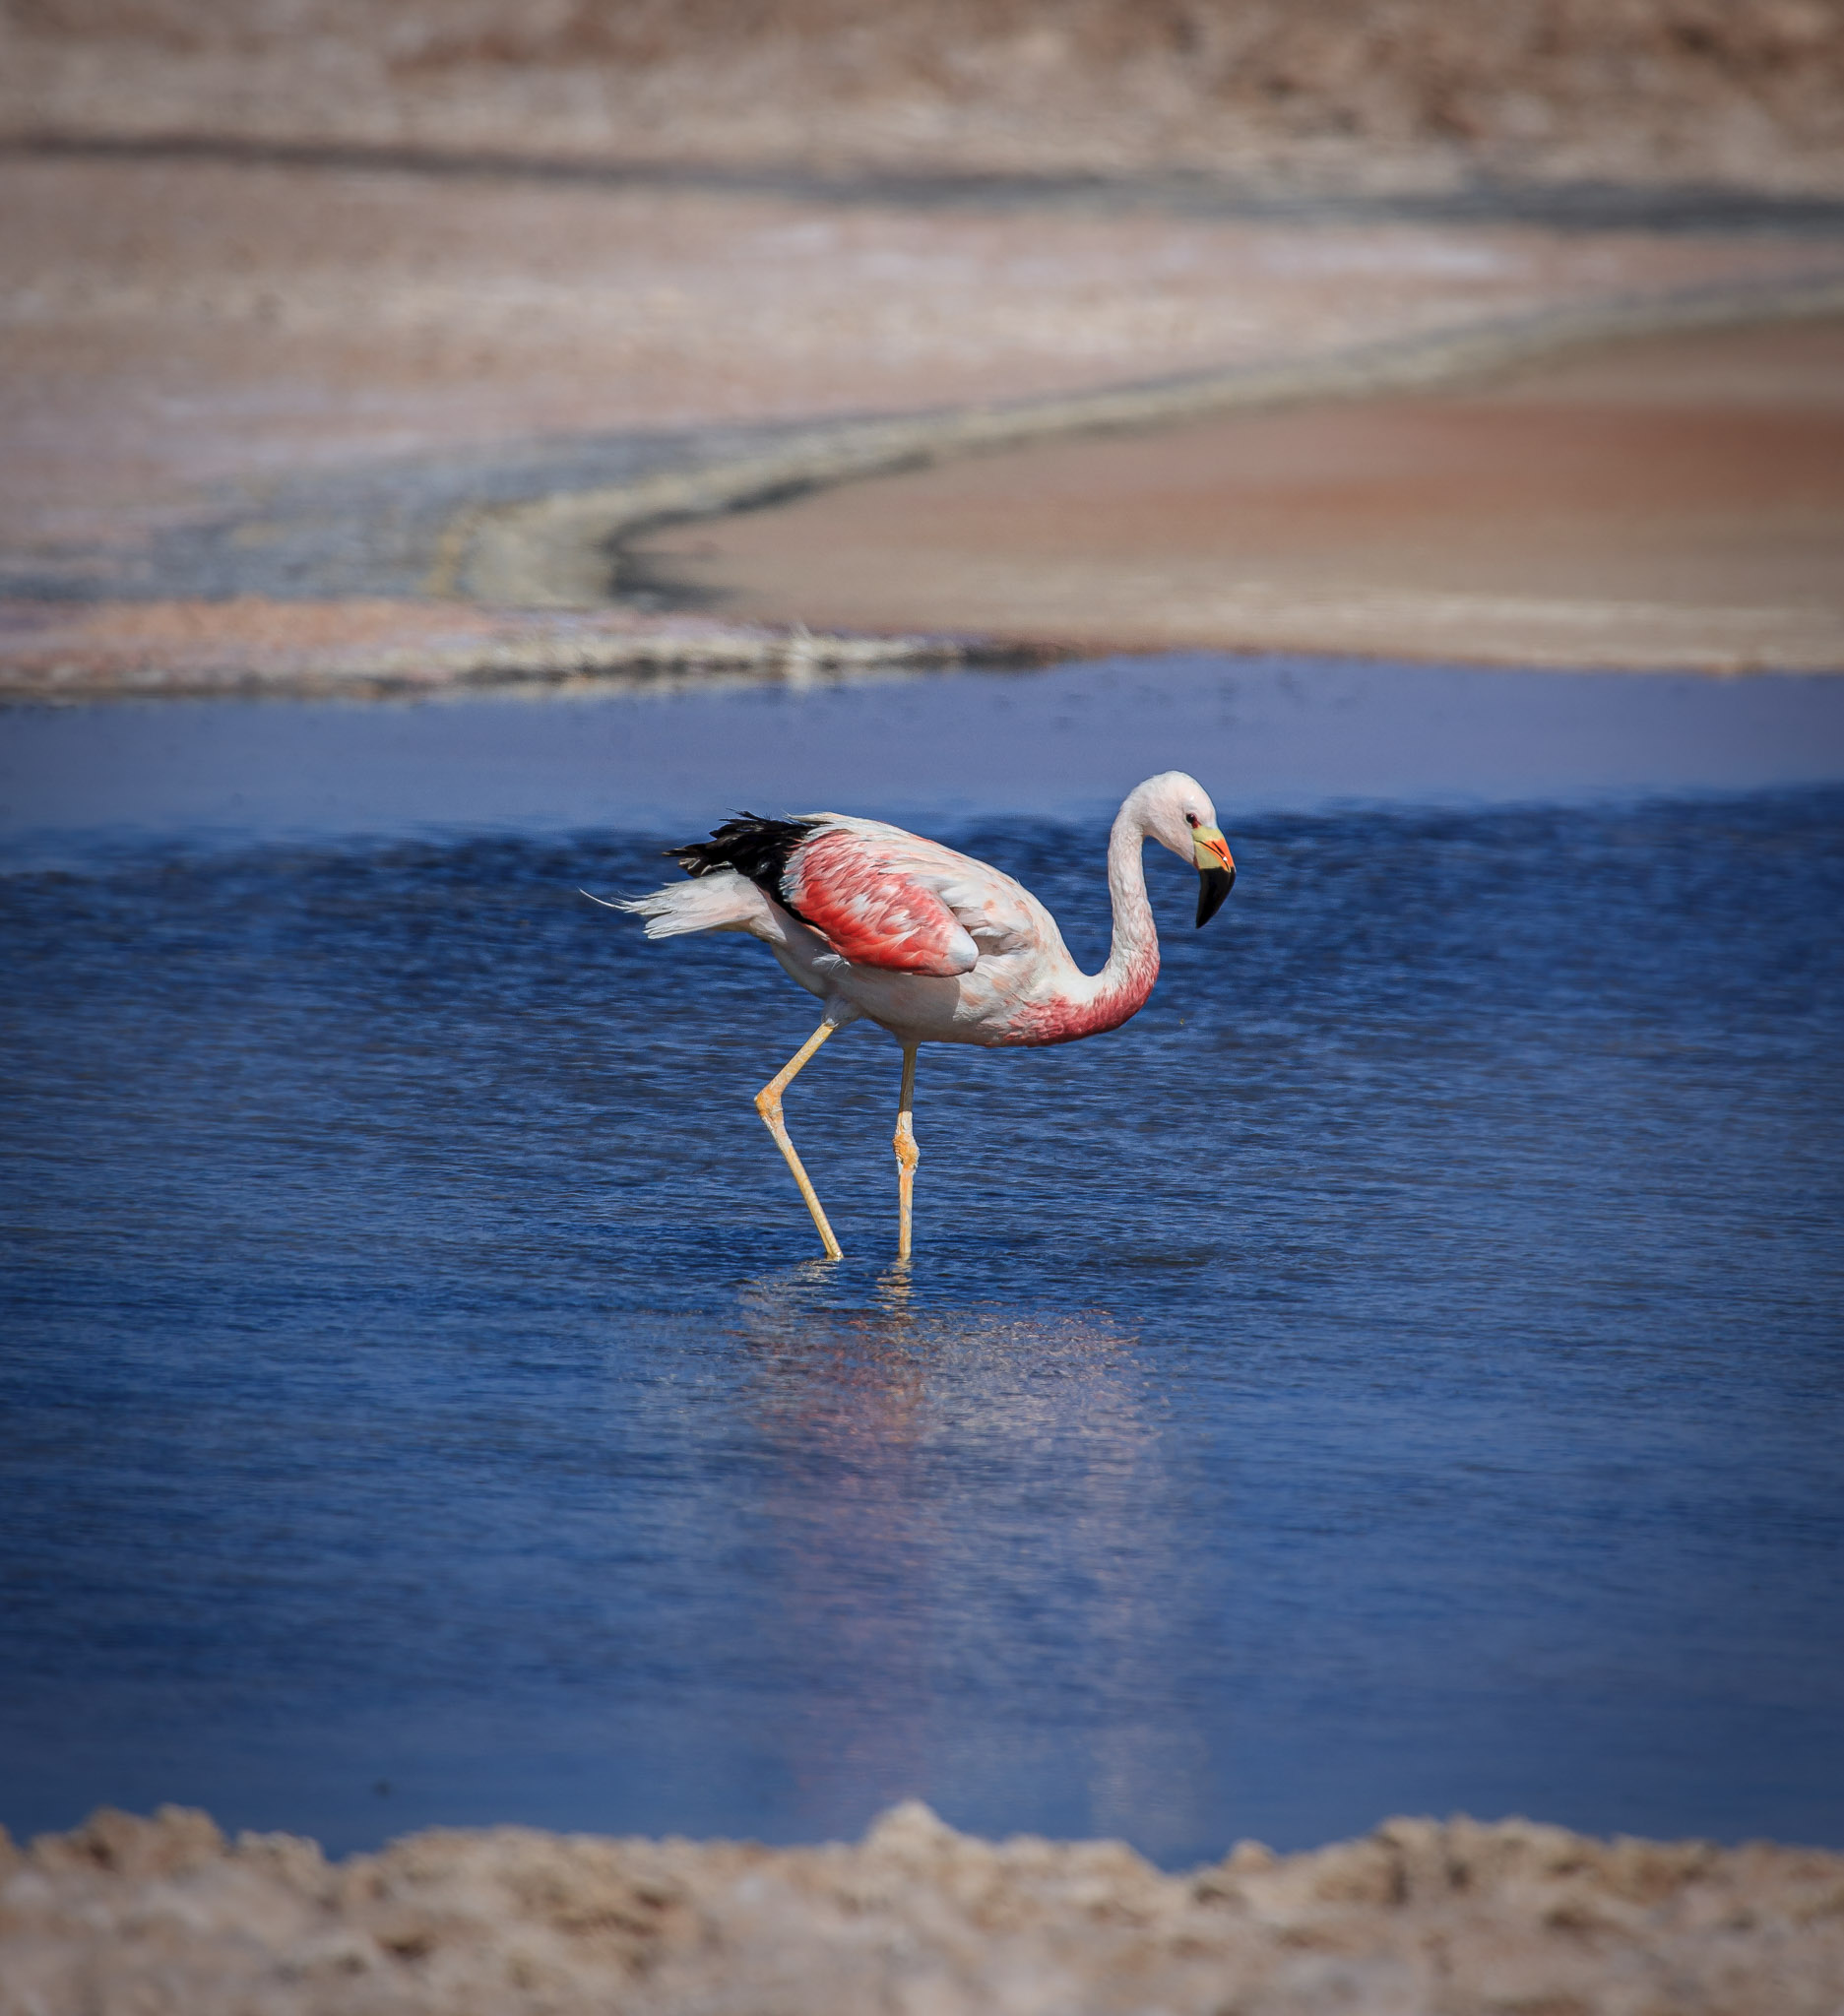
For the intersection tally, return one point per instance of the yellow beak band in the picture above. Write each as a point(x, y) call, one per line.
point(1209, 850)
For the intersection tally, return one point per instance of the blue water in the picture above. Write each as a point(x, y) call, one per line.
point(1400, 1371)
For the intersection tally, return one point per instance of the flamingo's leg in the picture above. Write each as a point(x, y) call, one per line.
point(768, 1104)
point(908, 1155)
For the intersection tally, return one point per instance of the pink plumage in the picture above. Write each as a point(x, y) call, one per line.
point(865, 899)
point(932, 945)
point(1037, 1022)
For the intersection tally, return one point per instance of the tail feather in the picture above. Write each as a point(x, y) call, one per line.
point(718, 901)
point(752, 845)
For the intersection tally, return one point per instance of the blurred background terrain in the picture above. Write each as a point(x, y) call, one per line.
point(311, 312)
point(1348, 94)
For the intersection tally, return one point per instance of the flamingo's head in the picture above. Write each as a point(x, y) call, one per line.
point(1176, 810)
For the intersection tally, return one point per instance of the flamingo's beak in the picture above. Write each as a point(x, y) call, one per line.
point(1215, 869)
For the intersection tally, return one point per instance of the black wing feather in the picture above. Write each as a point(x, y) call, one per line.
point(757, 847)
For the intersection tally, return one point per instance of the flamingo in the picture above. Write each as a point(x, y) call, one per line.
point(930, 944)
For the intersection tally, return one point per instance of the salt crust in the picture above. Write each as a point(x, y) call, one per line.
point(163, 1917)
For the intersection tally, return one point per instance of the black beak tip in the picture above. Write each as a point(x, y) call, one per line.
point(1213, 887)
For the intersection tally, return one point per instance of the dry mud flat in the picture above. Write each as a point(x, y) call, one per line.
point(1672, 502)
point(1418, 1919)
point(198, 344)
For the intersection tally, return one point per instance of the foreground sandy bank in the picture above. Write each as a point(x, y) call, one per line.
point(164, 1915)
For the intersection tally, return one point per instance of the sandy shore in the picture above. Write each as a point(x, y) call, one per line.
point(166, 1918)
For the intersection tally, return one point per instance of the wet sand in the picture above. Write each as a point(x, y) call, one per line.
point(164, 1918)
point(1675, 502)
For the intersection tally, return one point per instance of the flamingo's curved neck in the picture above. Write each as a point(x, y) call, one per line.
point(1125, 982)
point(1089, 1003)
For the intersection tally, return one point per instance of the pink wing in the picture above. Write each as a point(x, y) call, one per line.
point(858, 893)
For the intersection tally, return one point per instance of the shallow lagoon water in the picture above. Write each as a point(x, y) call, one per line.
point(1399, 1371)
point(1265, 734)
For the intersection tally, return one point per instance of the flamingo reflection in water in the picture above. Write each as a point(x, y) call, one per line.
point(958, 1506)
point(930, 944)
